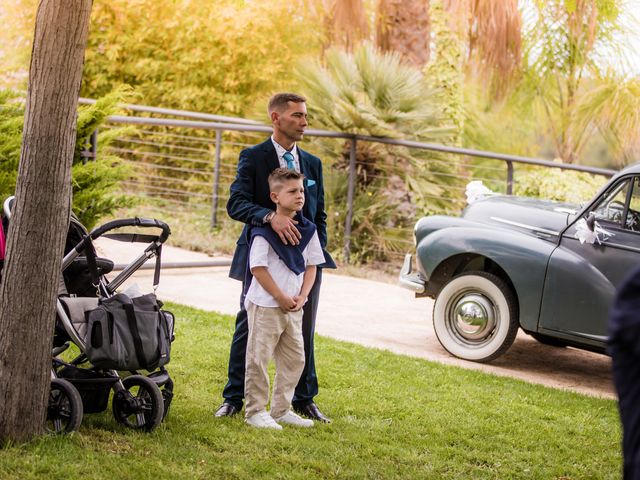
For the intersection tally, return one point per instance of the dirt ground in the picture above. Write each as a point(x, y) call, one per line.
point(377, 314)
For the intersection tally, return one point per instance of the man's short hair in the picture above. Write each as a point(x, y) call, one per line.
point(281, 175)
point(280, 101)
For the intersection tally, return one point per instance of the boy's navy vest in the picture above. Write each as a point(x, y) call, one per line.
point(291, 255)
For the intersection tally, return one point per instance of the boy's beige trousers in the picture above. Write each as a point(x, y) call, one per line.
point(276, 334)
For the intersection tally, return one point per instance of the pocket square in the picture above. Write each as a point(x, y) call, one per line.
point(310, 183)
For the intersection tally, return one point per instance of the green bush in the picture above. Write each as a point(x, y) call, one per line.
point(560, 185)
point(11, 120)
point(376, 234)
point(94, 183)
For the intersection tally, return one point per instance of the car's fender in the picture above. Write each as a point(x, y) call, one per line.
point(520, 259)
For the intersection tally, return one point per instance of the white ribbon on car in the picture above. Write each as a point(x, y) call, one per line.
point(586, 235)
point(477, 191)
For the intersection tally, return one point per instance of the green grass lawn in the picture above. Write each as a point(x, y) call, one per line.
point(393, 417)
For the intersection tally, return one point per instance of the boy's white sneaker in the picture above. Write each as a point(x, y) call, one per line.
point(262, 420)
point(291, 418)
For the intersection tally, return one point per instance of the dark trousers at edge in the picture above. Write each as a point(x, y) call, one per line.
point(307, 387)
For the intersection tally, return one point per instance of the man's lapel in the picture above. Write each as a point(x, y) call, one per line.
point(270, 155)
point(304, 169)
point(302, 158)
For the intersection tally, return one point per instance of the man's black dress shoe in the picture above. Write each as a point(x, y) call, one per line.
point(226, 410)
point(311, 410)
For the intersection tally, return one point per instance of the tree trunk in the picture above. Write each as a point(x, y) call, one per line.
point(445, 72)
point(403, 27)
point(40, 216)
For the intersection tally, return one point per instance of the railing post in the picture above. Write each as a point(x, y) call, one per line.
point(509, 177)
point(216, 180)
point(94, 144)
point(350, 192)
point(93, 153)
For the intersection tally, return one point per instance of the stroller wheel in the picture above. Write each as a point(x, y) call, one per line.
point(64, 411)
point(139, 405)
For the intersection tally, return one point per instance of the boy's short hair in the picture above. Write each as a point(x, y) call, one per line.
point(281, 175)
point(280, 101)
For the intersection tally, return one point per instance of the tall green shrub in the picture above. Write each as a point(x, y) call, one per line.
point(95, 182)
point(559, 185)
point(11, 120)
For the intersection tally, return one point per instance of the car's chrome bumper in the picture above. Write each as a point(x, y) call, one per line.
point(407, 279)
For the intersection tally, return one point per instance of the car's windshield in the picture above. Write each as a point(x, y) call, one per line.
point(633, 214)
point(611, 209)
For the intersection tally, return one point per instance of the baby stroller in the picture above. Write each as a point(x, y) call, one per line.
point(140, 401)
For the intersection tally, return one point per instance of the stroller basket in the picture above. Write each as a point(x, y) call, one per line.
point(94, 387)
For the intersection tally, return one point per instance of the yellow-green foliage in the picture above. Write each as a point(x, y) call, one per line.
point(17, 18)
point(11, 114)
point(222, 57)
point(560, 185)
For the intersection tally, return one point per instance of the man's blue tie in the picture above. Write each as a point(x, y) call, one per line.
point(288, 157)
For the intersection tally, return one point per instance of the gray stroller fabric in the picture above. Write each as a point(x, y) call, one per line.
point(76, 308)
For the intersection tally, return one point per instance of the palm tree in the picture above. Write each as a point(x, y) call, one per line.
point(563, 45)
point(561, 98)
point(473, 38)
point(613, 105)
point(372, 93)
point(495, 43)
point(403, 26)
point(369, 92)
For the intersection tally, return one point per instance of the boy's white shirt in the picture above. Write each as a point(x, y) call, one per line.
point(262, 255)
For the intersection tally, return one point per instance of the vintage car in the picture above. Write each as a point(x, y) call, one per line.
point(510, 262)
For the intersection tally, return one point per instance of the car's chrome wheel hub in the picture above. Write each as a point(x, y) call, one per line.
point(472, 317)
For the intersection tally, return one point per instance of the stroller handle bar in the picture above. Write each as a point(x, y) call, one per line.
point(133, 222)
point(128, 222)
point(101, 230)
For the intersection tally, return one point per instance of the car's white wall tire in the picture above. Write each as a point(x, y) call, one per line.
point(475, 316)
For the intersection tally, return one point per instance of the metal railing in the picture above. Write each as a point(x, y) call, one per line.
point(200, 158)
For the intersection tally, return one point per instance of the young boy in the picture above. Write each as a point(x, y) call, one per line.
point(282, 278)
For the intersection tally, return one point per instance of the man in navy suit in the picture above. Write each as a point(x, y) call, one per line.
point(250, 203)
point(624, 347)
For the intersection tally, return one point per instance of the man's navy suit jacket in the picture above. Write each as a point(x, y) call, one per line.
point(249, 200)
